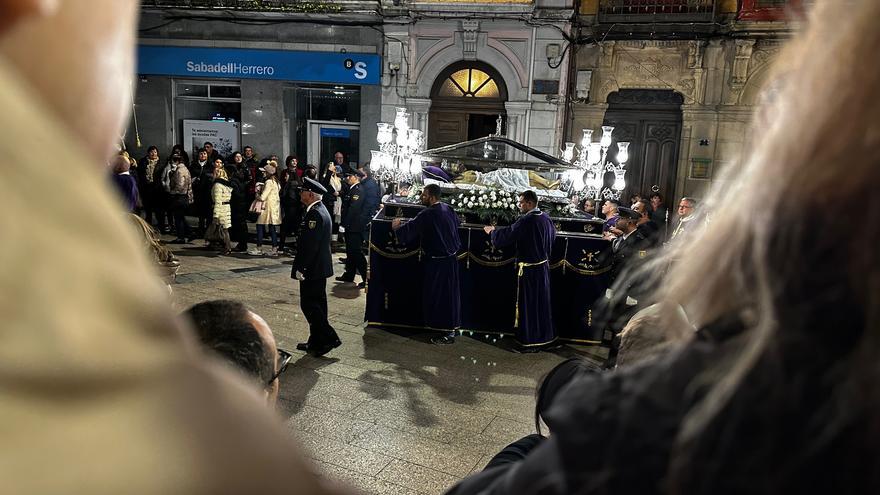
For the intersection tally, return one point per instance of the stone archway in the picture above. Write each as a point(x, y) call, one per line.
point(466, 99)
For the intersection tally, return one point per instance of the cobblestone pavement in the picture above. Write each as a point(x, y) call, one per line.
point(387, 412)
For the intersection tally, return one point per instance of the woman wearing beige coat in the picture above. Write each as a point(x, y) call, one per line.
point(221, 192)
point(270, 217)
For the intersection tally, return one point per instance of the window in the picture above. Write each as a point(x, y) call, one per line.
point(208, 90)
point(469, 83)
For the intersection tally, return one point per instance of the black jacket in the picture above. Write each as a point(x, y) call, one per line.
point(611, 432)
point(313, 258)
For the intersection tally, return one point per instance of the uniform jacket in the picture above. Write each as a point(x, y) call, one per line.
point(358, 214)
point(313, 258)
point(271, 214)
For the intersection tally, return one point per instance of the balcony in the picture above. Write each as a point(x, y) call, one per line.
point(650, 11)
point(318, 6)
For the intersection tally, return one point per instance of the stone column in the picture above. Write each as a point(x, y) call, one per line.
point(420, 108)
point(516, 120)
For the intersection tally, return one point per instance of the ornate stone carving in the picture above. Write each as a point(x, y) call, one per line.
point(649, 70)
point(606, 59)
point(470, 33)
point(687, 86)
point(740, 72)
point(695, 53)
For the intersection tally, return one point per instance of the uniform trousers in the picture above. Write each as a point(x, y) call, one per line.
point(355, 261)
point(313, 302)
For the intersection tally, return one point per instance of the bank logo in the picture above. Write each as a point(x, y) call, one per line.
point(230, 68)
point(360, 68)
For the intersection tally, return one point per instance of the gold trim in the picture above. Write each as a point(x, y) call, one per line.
point(490, 263)
point(394, 255)
point(566, 263)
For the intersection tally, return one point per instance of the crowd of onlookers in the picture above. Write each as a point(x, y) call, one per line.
point(225, 194)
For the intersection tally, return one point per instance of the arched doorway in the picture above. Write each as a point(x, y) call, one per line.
point(651, 121)
point(466, 99)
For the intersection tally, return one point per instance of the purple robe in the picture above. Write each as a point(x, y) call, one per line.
point(437, 228)
point(533, 234)
point(127, 187)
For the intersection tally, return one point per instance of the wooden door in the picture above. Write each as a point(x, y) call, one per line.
point(446, 127)
point(651, 122)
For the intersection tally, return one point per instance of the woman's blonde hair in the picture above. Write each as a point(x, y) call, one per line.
point(803, 262)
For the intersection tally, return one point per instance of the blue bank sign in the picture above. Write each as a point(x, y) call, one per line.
point(235, 63)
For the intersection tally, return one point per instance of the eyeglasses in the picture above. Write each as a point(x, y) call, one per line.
point(283, 360)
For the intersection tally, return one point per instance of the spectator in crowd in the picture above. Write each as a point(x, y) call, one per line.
point(340, 162)
point(178, 149)
point(125, 183)
point(660, 214)
point(213, 154)
point(250, 157)
point(239, 178)
point(179, 187)
point(147, 171)
point(776, 391)
point(270, 217)
point(291, 206)
point(589, 207)
point(333, 184)
point(688, 220)
point(633, 199)
point(203, 181)
point(609, 211)
point(242, 339)
point(646, 227)
point(221, 195)
point(370, 188)
point(102, 391)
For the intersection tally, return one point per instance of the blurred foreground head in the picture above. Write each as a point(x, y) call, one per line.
point(804, 279)
point(78, 57)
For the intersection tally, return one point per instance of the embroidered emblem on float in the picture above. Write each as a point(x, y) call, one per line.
point(590, 259)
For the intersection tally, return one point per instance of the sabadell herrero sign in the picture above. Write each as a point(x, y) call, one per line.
point(240, 63)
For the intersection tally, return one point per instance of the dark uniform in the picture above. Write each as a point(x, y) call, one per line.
point(628, 253)
point(357, 217)
point(314, 263)
point(533, 234)
point(437, 227)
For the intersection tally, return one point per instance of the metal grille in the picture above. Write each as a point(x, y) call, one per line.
point(656, 10)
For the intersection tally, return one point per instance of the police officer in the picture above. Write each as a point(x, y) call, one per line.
point(357, 217)
point(312, 266)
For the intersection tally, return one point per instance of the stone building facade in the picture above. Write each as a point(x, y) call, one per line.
point(711, 64)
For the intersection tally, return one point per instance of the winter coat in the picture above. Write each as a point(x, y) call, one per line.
point(271, 214)
point(222, 194)
point(181, 182)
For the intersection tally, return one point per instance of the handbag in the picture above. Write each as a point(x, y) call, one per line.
point(212, 233)
point(257, 206)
